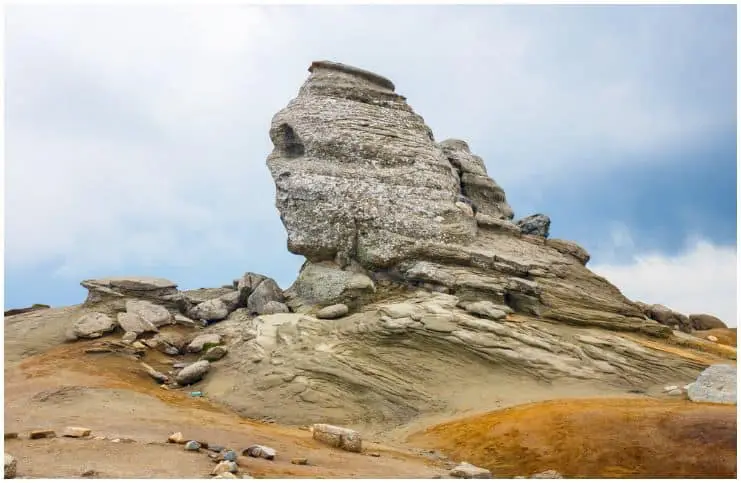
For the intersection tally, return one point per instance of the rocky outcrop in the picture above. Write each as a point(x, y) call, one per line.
point(716, 384)
point(115, 291)
point(25, 310)
point(666, 316)
point(93, 325)
point(377, 206)
point(706, 322)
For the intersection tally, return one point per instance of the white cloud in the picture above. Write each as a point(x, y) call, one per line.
point(139, 134)
point(701, 279)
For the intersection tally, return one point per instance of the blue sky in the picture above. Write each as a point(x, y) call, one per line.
point(136, 137)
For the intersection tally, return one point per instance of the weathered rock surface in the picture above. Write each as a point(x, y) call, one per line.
point(706, 322)
point(149, 313)
point(716, 384)
point(211, 310)
point(338, 437)
point(193, 373)
point(267, 291)
point(274, 307)
point(113, 292)
point(259, 451)
point(93, 325)
point(130, 322)
point(215, 353)
point(537, 224)
point(198, 343)
point(326, 283)
point(666, 316)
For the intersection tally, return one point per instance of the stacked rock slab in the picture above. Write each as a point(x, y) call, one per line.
point(362, 187)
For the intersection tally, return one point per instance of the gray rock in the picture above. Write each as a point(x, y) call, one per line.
point(117, 289)
point(266, 291)
point(149, 312)
point(668, 317)
point(332, 312)
point(154, 374)
point(358, 174)
point(225, 467)
point(200, 295)
point(469, 471)
point(246, 284)
point(716, 384)
point(230, 455)
point(183, 320)
point(211, 310)
point(274, 307)
point(215, 353)
point(192, 446)
point(537, 224)
point(93, 325)
point(326, 283)
point(706, 322)
point(11, 467)
point(193, 373)
point(231, 300)
point(134, 323)
point(200, 341)
point(259, 451)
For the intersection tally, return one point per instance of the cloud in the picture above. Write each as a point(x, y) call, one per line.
point(700, 279)
point(137, 136)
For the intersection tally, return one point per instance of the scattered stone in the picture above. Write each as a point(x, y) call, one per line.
point(215, 353)
point(333, 312)
point(176, 438)
point(11, 467)
point(89, 474)
point(193, 373)
point(11, 436)
point(670, 388)
point(375, 454)
point(299, 461)
point(138, 345)
point(675, 392)
point(259, 451)
point(151, 314)
point(552, 474)
point(42, 433)
point(716, 384)
point(225, 467)
point(224, 475)
point(76, 432)
point(537, 224)
point(212, 310)
point(93, 325)
point(229, 455)
point(468, 471)
point(200, 341)
point(192, 446)
point(154, 374)
point(129, 338)
point(706, 322)
point(712, 338)
point(338, 437)
point(130, 322)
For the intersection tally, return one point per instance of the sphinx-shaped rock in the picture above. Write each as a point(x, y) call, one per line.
point(364, 191)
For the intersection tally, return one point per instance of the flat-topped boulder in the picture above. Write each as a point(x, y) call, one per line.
point(115, 291)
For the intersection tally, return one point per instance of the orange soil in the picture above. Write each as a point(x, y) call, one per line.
point(595, 438)
point(725, 336)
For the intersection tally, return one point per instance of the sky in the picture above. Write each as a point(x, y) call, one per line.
point(136, 137)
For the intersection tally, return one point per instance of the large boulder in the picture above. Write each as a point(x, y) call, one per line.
point(325, 283)
point(246, 284)
point(537, 224)
point(193, 373)
point(211, 310)
point(716, 384)
point(93, 325)
point(267, 291)
point(115, 291)
point(149, 312)
point(666, 316)
point(706, 322)
point(130, 322)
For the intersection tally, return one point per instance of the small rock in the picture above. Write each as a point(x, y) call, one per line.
point(216, 447)
point(215, 353)
point(76, 432)
point(138, 345)
point(712, 338)
point(670, 388)
point(225, 467)
point(176, 438)
point(11, 466)
point(333, 312)
point(230, 455)
point(156, 375)
point(42, 433)
point(375, 455)
point(180, 365)
point(129, 338)
point(537, 224)
point(299, 461)
point(259, 451)
point(552, 474)
point(11, 436)
point(192, 446)
point(199, 342)
point(675, 392)
point(193, 373)
point(224, 475)
point(116, 440)
point(89, 474)
point(467, 470)
point(343, 438)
